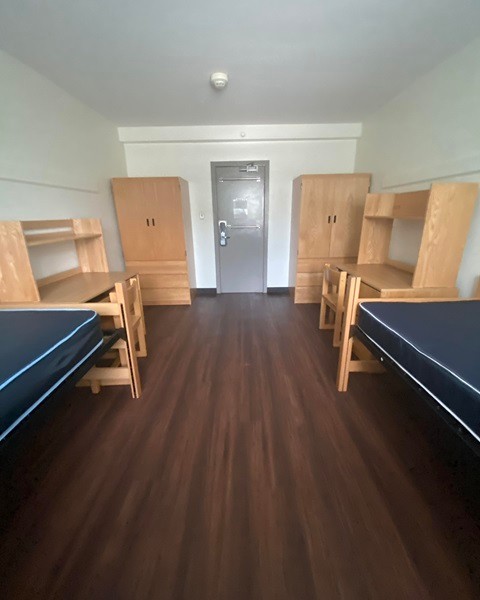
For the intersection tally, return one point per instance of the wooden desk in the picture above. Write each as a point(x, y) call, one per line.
point(387, 281)
point(81, 287)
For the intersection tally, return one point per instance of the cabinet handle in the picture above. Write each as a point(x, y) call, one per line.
point(334, 218)
point(329, 217)
point(148, 222)
point(153, 222)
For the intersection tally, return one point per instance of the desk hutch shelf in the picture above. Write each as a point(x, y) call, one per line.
point(17, 280)
point(446, 211)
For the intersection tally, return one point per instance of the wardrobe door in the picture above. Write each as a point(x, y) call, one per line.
point(316, 217)
point(168, 241)
point(349, 194)
point(134, 199)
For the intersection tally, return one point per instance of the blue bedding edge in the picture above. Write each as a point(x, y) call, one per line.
point(48, 392)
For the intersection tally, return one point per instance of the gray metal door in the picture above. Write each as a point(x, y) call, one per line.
point(239, 191)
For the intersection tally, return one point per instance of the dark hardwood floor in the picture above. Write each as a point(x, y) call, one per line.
point(240, 474)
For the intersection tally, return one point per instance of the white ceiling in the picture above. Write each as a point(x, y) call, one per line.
point(148, 62)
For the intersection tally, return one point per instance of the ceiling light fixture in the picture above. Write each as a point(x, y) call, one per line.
point(219, 80)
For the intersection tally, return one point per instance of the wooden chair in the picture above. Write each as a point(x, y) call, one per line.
point(353, 356)
point(129, 296)
point(333, 300)
point(130, 317)
point(121, 366)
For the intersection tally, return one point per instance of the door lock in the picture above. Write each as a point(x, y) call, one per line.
point(222, 228)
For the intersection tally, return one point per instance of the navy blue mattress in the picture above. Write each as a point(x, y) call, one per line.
point(39, 349)
point(437, 344)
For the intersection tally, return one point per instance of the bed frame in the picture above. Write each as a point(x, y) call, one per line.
point(359, 354)
point(355, 356)
point(120, 311)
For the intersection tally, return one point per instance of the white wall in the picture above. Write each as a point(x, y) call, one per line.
point(288, 158)
point(429, 132)
point(56, 159)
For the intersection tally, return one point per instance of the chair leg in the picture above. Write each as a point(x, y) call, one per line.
point(323, 305)
point(142, 342)
point(344, 364)
point(131, 352)
point(337, 335)
point(322, 324)
point(140, 300)
point(337, 332)
point(138, 309)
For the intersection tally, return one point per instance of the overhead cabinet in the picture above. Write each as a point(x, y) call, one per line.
point(327, 212)
point(155, 226)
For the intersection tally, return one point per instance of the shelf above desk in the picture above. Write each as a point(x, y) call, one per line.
point(18, 282)
point(81, 287)
point(444, 213)
point(41, 239)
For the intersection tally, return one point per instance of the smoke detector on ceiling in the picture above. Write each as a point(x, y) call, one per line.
point(219, 80)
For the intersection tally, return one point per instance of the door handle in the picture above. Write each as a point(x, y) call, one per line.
point(334, 218)
point(222, 228)
point(148, 222)
point(243, 226)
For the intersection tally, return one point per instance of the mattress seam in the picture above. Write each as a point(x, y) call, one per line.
point(420, 351)
point(33, 406)
point(52, 348)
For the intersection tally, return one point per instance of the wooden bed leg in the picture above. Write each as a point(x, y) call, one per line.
point(345, 356)
point(95, 387)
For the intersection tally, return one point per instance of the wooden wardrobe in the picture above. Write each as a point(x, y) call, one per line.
point(327, 212)
point(156, 230)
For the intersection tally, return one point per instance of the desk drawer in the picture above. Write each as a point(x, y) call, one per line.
point(163, 282)
point(309, 279)
point(308, 295)
point(311, 265)
point(166, 296)
point(164, 267)
point(157, 280)
point(367, 291)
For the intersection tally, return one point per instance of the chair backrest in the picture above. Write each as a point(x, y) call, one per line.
point(127, 296)
point(334, 280)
